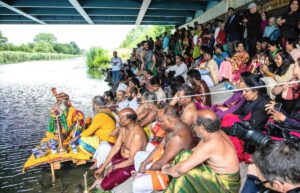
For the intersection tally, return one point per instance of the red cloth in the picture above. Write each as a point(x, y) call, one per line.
point(118, 176)
point(228, 121)
point(221, 39)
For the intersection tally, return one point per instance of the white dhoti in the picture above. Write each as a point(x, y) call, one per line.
point(142, 156)
point(102, 152)
point(142, 184)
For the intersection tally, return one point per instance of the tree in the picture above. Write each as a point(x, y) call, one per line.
point(97, 58)
point(45, 37)
point(138, 34)
point(44, 47)
point(75, 48)
point(3, 40)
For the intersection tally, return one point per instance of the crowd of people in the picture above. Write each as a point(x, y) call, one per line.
point(159, 126)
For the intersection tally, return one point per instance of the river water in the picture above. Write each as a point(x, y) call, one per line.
point(25, 101)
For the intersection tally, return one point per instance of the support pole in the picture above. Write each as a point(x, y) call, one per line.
point(52, 172)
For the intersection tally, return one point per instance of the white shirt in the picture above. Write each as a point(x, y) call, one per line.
point(115, 63)
point(179, 70)
point(122, 105)
point(160, 95)
point(133, 104)
point(122, 86)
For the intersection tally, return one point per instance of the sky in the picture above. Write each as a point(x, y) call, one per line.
point(106, 36)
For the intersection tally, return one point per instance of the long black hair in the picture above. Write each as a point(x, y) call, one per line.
point(287, 60)
point(251, 80)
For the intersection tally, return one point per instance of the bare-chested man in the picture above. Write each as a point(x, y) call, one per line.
point(147, 111)
point(189, 108)
point(178, 137)
point(212, 165)
point(119, 161)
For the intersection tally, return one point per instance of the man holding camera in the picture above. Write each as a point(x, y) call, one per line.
point(276, 166)
point(116, 64)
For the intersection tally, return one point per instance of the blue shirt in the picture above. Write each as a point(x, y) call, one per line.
point(220, 57)
point(269, 30)
point(165, 42)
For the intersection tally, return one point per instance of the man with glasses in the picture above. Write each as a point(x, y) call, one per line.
point(276, 167)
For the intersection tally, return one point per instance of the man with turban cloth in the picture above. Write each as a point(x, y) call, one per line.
point(69, 117)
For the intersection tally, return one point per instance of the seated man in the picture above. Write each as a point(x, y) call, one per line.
point(189, 107)
point(147, 111)
point(276, 166)
point(211, 167)
point(122, 102)
point(200, 87)
point(67, 114)
point(102, 125)
point(119, 161)
point(178, 137)
point(131, 94)
point(155, 87)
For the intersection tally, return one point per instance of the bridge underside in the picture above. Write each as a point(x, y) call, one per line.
point(127, 12)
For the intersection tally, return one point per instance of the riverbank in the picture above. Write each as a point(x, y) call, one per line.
point(8, 57)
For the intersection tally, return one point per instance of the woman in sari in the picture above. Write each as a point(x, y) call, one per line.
point(283, 72)
point(252, 110)
point(231, 68)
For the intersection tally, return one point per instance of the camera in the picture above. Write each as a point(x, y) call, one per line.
point(246, 132)
point(254, 138)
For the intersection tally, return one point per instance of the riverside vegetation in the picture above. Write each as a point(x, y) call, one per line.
point(43, 47)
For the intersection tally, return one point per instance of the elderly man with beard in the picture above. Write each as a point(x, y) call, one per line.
point(183, 98)
point(211, 167)
point(100, 129)
point(66, 113)
point(119, 162)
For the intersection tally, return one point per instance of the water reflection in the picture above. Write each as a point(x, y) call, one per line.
point(25, 99)
point(95, 74)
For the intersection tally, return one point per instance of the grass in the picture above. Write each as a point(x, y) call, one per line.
point(7, 57)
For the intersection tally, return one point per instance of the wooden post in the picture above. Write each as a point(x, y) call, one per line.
point(52, 172)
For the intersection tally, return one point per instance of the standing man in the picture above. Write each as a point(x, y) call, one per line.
point(166, 43)
point(148, 59)
point(116, 64)
point(232, 30)
point(252, 22)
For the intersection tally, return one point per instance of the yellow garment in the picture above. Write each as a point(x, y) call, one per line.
point(102, 126)
point(70, 114)
point(93, 142)
point(72, 117)
point(49, 158)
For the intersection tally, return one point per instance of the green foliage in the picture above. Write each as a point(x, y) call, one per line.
point(15, 57)
point(138, 34)
point(95, 73)
point(45, 37)
point(71, 48)
point(3, 40)
point(97, 58)
point(43, 43)
point(43, 47)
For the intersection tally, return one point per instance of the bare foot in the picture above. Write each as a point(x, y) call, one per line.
point(96, 184)
point(94, 166)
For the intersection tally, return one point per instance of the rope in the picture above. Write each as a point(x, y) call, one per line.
point(222, 92)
